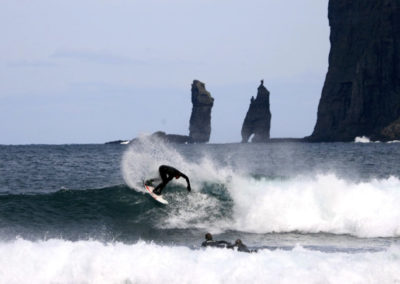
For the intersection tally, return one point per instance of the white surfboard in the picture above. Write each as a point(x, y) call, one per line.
point(159, 198)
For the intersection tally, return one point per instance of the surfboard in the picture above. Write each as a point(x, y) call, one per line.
point(156, 197)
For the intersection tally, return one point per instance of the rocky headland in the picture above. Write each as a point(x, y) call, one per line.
point(361, 94)
point(258, 117)
point(200, 119)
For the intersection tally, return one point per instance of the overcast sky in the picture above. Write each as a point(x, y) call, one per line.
point(95, 71)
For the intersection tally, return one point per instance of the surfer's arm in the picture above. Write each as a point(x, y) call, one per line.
point(187, 181)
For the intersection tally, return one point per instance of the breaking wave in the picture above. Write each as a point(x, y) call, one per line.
point(225, 198)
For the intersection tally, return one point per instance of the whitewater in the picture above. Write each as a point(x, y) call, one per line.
point(307, 204)
point(57, 261)
point(315, 213)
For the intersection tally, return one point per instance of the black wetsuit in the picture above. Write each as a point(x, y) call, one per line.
point(167, 173)
point(218, 244)
point(240, 247)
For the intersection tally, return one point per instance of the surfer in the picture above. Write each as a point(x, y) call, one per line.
point(167, 173)
point(241, 246)
point(209, 242)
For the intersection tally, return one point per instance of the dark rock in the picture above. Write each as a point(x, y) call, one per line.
point(180, 139)
point(172, 138)
point(258, 117)
point(392, 132)
point(361, 95)
point(168, 138)
point(200, 119)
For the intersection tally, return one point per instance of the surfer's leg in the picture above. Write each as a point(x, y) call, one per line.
point(159, 188)
point(163, 176)
point(165, 179)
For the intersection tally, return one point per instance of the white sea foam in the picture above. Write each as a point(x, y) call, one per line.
point(59, 261)
point(322, 203)
point(362, 139)
point(365, 139)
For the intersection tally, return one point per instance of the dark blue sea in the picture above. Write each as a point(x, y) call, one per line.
point(315, 213)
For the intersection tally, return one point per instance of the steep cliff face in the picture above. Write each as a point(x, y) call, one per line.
point(258, 117)
point(361, 94)
point(200, 119)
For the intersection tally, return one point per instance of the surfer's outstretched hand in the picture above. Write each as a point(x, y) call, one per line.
point(189, 188)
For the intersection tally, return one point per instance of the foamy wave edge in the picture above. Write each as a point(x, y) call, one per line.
point(59, 261)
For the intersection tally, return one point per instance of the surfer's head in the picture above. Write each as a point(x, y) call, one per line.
point(208, 237)
point(238, 242)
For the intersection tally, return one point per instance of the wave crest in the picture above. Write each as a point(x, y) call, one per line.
point(224, 198)
point(323, 203)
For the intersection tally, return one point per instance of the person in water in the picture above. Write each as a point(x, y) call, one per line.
point(209, 242)
point(241, 246)
point(167, 173)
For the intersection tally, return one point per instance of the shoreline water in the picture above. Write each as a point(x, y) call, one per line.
point(325, 212)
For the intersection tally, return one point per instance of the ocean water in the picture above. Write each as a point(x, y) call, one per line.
point(316, 213)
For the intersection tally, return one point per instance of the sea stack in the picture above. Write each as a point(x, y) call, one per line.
point(258, 117)
point(361, 94)
point(200, 119)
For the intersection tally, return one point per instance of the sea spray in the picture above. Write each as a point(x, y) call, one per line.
point(143, 158)
point(198, 209)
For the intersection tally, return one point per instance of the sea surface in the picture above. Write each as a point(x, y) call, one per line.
point(315, 213)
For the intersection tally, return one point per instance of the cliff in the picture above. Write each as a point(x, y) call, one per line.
point(258, 117)
point(200, 119)
point(361, 94)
